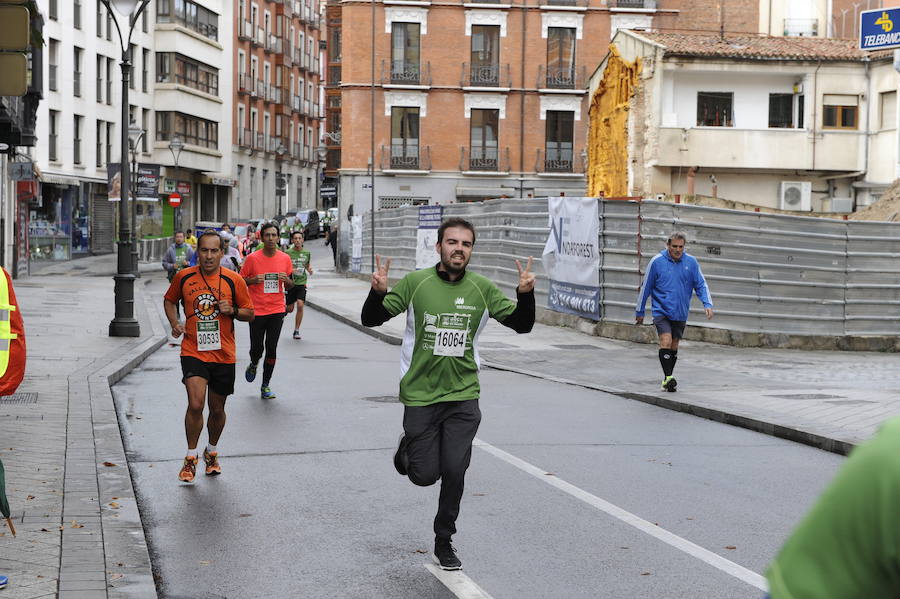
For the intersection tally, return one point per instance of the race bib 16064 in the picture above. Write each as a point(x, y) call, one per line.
point(451, 335)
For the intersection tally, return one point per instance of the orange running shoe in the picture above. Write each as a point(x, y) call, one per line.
point(212, 462)
point(188, 470)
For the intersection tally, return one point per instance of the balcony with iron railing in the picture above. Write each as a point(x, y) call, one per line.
point(558, 161)
point(260, 37)
point(287, 52)
point(403, 72)
point(295, 151)
point(645, 4)
point(245, 138)
point(273, 94)
point(245, 83)
point(296, 104)
point(245, 31)
point(261, 87)
point(485, 75)
point(484, 159)
point(273, 43)
point(259, 143)
point(406, 157)
point(561, 77)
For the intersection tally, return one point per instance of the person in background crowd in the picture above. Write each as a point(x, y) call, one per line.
point(177, 257)
point(300, 258)
point(672, 275)
point(268, 273)
point(190, 239)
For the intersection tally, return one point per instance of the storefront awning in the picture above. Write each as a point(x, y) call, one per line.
point(59, 179)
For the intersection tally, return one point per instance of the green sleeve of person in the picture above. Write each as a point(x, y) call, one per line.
point(398, 298)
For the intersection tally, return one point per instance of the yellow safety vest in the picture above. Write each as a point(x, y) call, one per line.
point(6, 334)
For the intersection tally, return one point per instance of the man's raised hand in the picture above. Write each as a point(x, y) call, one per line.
point(526, 277)
point(380, 276)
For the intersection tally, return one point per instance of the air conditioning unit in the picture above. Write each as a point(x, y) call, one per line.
point(796, 195)
point(842, 204)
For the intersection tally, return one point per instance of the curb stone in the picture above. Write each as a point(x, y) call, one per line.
point(789, 433)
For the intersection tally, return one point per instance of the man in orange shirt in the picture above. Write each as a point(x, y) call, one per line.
point(213, 297)
point(268, 273)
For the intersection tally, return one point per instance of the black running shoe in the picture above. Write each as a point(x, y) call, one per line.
point(401, 459)
point(445, 555)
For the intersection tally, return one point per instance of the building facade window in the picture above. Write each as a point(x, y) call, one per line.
point(76, 14)
point(405, 53)
point(191, 129)
point(188, 14)
point(714, 109)
point(109, 141)
point(76, 141)
point(53, 10)
point(53, 82)
point(54, 128)
point(781, 111)
point(560, 58)
point(485, 55)
point(145, 125)
point(404, 152)
point(76, 74)
point(559, 147)
point(133, 57)
point(839, 111)
point(888, 106)
point(484, 136)
point(175, 68)
point(99, 18)
point(110, 73)
point(101, 64)
point(145, 72)
point(99, 144)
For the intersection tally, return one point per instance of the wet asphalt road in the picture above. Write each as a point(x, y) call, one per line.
point(309, 504)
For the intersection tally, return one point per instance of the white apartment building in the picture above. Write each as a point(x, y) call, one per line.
point(79, 124)
point(175, 90)
point(789, 123)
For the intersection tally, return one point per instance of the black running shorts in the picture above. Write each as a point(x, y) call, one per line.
point(672, 327)
point(219, 377)
point(295, 293)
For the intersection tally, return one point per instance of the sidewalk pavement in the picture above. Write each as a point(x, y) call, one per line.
point(828, 399)
point(69, 487)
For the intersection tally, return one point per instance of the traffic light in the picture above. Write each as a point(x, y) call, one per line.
point(15, 26)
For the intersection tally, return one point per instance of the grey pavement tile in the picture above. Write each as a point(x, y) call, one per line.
point(82, 594)
point(82, 585)
point(83, 575)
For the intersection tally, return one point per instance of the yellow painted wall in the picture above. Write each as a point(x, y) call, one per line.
point(608, 128)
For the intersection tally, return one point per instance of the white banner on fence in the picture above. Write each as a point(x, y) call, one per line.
point(572, 256)
point(426, 236)
point(356, 232)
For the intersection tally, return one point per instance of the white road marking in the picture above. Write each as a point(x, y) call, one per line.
point(705, 555)
point(459, 584)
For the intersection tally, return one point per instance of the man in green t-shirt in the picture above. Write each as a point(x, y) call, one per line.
point(447, 309)
point(848, 545)
point(300, 258)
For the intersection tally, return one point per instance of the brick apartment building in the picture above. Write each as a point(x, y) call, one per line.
point(276, 106)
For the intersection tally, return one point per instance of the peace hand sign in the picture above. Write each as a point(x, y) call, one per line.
point(380, 276)
point(526, 277)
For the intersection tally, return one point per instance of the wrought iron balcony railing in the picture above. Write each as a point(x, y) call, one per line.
point(558, 160)
point(561, 77)
point(648, 4)
point(408, 156)
point(245, 138)
point(485, 75)
point(484, 158)
point(403, 72)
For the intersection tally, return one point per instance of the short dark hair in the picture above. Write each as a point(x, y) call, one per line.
point(209, 233)
point(300, 233)
point(455, 222)
point(187, 231)
point(182, 232)
point(263, 228)
point(225, 225)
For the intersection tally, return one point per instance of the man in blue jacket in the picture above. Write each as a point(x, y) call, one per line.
point(672, 275)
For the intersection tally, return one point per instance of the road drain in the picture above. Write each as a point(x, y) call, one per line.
point(807, 396)
point(19, 398)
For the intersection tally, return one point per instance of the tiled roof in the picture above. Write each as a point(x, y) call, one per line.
point(758, 47)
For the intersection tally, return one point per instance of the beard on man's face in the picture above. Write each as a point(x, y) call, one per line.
point(447, 258)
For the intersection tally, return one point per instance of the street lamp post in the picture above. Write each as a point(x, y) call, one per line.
point(124, 324)
point(280, 186)
point(135, 134)
point(176, 146)
point(321, 152)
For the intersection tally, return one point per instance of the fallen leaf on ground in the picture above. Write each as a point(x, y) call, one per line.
point(244, 515)
point(730, 547)
point(114, 498)
point(116, 576)
point(30, 497)
point(624, 547)
point(478, 494)
point(549, 474)
point(421, 551)
point(204, 563)
point(114, 505)
point(688, 518)
point(109, 464)
point(645, 573)
point(76, 524)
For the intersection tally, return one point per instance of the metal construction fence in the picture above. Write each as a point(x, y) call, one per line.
point(768, 273)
